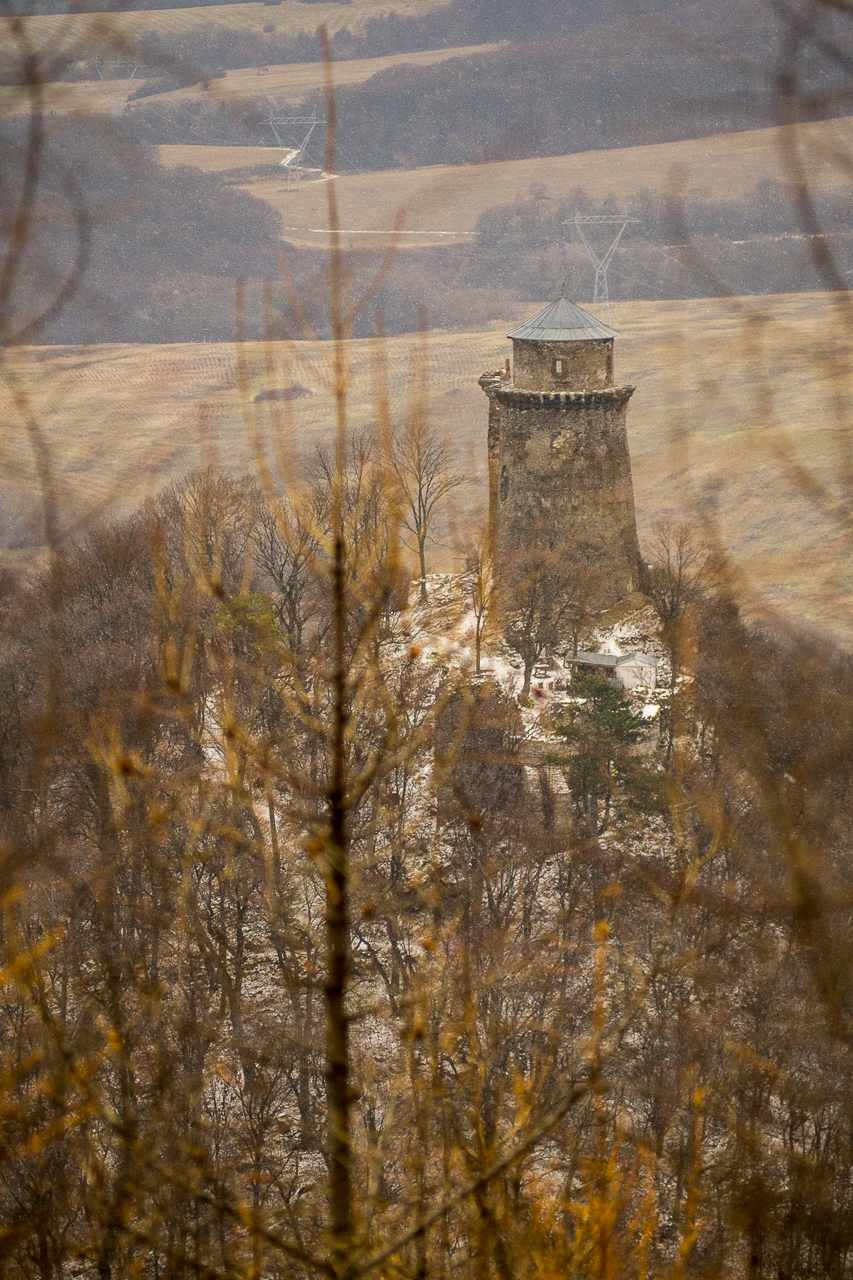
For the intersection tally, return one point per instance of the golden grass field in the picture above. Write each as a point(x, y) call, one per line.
point(82, 34)
point(107, 97)
point(451, 198)
point(732, 399)
point(294, 81)
point(285, 84)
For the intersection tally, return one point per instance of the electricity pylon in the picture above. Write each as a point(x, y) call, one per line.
point(601, 292)
point(293, 126)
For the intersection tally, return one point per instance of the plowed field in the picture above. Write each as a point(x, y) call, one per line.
point(91, 31)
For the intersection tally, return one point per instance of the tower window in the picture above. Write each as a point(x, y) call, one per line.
point(558, 368)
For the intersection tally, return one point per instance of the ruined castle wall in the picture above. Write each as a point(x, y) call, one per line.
point(563, 366)
point(560, 476)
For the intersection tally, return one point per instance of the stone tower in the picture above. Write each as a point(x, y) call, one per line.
point(559, 469)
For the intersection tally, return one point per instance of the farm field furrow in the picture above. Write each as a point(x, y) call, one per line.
point(451, 198)
point(289, 17)
point(120, 421)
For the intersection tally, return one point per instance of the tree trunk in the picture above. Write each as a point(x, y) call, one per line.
point(339, 1100)
point(528, 676)
point(673, 689)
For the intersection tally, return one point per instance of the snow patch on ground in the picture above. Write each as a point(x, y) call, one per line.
point(443, 629)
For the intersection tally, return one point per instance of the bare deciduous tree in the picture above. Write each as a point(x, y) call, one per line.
point(545, 596)
point(423, 468)
point(678, 574)
point(482, 589)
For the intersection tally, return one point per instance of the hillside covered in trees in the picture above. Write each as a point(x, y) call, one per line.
point(346, 929)
point(592, 79)
point(591, 1009)
point(149, 251)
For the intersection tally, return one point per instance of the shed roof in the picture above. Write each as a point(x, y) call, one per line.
point(614, 659)
point(562, 321)
point(596, 659)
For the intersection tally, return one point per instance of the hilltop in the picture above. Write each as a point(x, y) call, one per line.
point(285, 84)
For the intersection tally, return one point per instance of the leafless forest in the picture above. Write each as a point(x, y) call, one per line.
point(310, 964)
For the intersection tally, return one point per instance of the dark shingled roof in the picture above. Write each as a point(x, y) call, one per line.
point(562, 321)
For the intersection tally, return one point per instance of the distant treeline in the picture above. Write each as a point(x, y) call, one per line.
point(569, 79)
point(216, 48)
point(522, 252)
point(752, 244)
point(135, 6)
point(167, 246)
point(156, 243)
point(457, 22)
point(604, 85)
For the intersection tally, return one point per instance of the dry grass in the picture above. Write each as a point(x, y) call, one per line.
point(285, 84)
point(82, 34)
point(121, 420)
point(107, 97)
point(293, 82)
point(218, 159)
point(452, 198)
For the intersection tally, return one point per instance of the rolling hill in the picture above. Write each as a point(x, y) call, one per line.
point(121, 420)
point(86, 31)
point(293, 82)
point(288, 83)
point(450, 199)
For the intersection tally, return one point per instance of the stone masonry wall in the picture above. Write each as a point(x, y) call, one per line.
point(586, 365)
point(560, 476)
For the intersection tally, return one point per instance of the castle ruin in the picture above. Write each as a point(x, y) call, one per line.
point(559, 468)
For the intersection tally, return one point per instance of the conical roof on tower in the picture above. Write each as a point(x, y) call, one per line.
point(562, 321)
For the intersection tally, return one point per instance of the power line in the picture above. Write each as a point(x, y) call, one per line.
point(292, 133)
point(601, 291)
point(354, 231)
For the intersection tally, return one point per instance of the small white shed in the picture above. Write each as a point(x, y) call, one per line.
point(631, 670)
point(635, 669)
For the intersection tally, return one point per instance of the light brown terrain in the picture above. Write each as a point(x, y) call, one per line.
point(442, 198)
point(294, 81)
point(218, 159)
point(289, 83)
point(107, 97)
point(730, 399)
point(88, 33)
